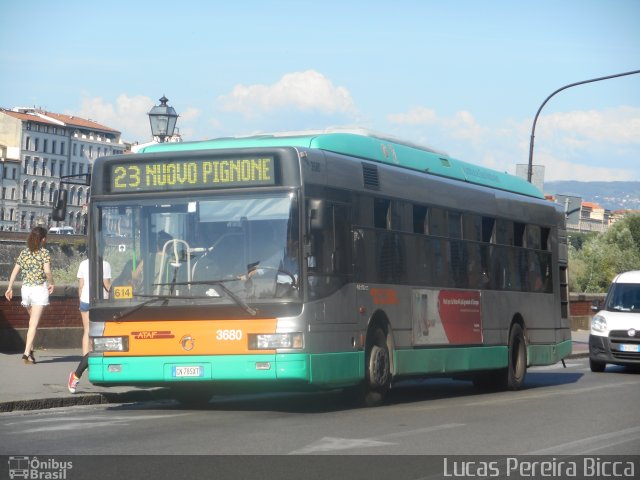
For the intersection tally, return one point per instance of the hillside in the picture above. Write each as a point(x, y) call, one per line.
point(610, 195)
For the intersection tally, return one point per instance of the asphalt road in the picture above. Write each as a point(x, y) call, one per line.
point(561, 411)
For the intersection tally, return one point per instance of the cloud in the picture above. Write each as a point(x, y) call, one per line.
point(414, 116)
point(128, 115)
point(619, 125)
point(560, 169)
point(302, 91)
point(580, 145)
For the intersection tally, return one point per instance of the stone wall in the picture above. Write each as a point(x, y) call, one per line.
point(580, 309)
point(61, 324)
point(65, 250)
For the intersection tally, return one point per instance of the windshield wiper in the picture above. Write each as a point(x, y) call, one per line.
point(131, 310)
point(220, 283)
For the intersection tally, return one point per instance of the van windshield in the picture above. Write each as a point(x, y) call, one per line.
point(624, 297)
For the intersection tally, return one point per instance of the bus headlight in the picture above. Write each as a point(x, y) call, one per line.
point(599, 324)
point(271, 341)
point(110, 344)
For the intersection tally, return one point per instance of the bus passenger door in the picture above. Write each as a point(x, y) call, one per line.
point(329, 265)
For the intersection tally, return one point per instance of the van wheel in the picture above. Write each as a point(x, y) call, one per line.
point(597, 367)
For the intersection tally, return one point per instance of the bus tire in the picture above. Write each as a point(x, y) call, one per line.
point(517, 362)
point(378, 371)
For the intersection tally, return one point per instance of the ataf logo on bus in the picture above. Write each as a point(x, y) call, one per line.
point(152, 335)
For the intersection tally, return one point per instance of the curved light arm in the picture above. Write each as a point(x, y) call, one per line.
point(533, 128)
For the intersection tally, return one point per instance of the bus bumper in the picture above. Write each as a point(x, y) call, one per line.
point(326, 370)
point(160, 370)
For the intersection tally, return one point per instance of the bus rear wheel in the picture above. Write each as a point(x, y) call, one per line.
point(378, 372)
point(512, 377)
point(517, 367)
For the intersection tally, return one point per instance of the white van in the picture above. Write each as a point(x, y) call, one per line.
point(62, 230)
point(615, 330)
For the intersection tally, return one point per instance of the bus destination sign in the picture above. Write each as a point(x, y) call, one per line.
point(185, 174)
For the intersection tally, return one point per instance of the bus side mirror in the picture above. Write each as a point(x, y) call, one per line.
point(59, 205)
point(316, 214)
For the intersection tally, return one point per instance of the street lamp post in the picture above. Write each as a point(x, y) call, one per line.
point(533, 128)
point(163, 120)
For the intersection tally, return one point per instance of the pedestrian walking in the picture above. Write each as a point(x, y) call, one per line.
point(37, 284)
point(83, 290)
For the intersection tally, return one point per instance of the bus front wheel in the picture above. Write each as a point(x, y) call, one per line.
point(378, 370)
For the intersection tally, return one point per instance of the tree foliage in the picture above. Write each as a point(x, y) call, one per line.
point(602, 257)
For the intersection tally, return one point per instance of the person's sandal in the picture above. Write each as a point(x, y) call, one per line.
point(29, 359)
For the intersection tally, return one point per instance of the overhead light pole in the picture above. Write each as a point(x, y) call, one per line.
point(533, 128)
point(163, 120)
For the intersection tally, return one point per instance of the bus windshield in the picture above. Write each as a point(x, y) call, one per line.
point(212, 250)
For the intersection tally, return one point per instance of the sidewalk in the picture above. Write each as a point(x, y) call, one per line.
point(44, 385)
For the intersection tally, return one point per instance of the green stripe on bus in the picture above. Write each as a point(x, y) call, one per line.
point(548, 354)
point(449, 360)
point(214, 368)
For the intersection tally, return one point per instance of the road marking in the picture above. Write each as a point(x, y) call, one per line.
point(525, 395)
point(88, 422)
point(584, 446)
point(329, 444)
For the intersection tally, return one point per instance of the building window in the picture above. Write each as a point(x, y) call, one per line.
point(45, 144)
point(61, 148)
point(75, 149)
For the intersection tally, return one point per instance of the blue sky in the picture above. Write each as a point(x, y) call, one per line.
point(464, 77)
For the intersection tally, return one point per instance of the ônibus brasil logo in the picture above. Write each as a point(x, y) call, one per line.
point(35, 468)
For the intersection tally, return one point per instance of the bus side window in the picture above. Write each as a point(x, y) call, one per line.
point(437, 222)
point(382, 213)
point(332, 251)
point(419, 219)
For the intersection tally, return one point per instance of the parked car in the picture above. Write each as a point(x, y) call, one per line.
point(62, 230)
point(615, 330)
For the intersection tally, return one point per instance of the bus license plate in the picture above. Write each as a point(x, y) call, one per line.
point(629, 348)
point(188, 371)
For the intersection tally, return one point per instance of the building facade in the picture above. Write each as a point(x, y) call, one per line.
point(39, 148)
